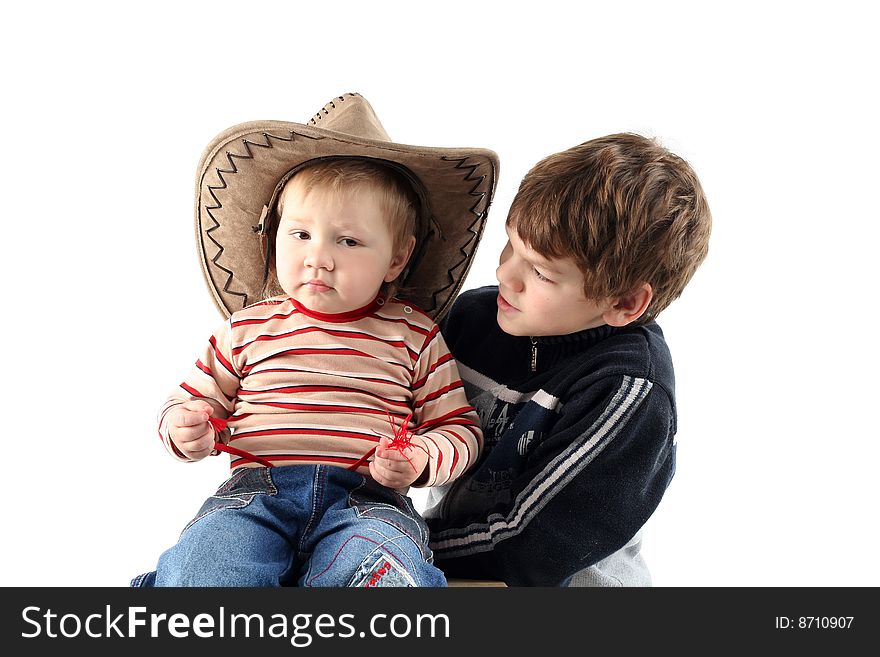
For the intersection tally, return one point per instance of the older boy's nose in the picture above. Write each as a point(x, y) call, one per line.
point(506, 275)
point(504, 270)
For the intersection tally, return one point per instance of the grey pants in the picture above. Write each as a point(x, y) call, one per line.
point(623, 568)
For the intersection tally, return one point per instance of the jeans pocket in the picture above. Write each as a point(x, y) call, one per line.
point(372, 500)
point(238, 491)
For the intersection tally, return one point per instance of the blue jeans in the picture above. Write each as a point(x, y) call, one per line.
point(300, 526)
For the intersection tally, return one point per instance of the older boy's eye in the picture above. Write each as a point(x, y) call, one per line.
point(541, 277)
point(299, 234)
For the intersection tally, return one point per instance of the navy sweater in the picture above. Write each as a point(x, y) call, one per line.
point(578, 453)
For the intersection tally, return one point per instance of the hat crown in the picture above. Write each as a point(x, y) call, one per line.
point(350, 114)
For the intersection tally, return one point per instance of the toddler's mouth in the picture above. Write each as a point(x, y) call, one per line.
point(316, 285)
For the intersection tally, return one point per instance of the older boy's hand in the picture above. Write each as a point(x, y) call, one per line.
point(190, 430)
point(398, 469)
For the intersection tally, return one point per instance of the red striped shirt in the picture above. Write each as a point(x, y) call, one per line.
point(303, 388)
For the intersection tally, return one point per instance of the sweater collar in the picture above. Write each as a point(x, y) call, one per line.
point(580, 339)
point(338, 318)
point(548, 350)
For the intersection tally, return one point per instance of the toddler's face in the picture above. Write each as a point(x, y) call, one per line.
point(539, 296)
point(333, 252)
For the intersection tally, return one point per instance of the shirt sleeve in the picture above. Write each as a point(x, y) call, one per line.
point(444, 418)
point(214, 378)
point(587, 488)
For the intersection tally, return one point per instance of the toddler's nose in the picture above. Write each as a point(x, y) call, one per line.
point(318, 256)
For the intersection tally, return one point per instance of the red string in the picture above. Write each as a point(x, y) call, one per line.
point(401, 440)
point(362, 460)
point(247, 456)
point(219, 425)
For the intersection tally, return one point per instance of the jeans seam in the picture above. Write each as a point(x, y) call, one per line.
point(421, 542)
point(396, 525)
point(317, 502)
point(270, 490)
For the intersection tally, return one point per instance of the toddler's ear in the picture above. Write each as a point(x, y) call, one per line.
point(400, 259)
point(627, 309)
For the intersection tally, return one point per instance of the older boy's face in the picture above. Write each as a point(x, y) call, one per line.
point(333, 252)
point(539, 296)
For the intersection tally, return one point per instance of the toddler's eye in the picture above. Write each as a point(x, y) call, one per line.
point(347, 241)
point(299, 234)
point(541, 277)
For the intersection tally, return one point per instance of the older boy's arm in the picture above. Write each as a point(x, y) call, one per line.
point(213, 379)
point(446, 422)
point(588, 488)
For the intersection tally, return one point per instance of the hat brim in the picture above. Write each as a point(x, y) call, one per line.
point(241, 167)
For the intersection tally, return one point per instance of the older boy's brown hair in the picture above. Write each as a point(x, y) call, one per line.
point(627, 210)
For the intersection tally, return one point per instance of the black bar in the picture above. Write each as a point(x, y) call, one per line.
point(419, 622)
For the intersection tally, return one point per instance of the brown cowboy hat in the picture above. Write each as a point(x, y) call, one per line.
point(243, 169)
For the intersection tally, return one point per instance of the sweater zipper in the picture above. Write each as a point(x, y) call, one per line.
point(534, 354)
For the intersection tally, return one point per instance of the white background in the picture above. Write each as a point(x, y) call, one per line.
point(107, 107)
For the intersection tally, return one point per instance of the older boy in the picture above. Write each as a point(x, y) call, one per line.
point(569, 373)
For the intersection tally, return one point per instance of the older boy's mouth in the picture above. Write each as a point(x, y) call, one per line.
point(504, 305)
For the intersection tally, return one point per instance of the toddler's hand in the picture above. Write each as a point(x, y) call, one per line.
point(397, 469)
point(190, 430)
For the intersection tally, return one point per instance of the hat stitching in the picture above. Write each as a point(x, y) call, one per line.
point(332, 105)
point(479, 221)
point(218, 205)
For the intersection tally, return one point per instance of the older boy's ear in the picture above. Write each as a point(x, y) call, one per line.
point(627, 309)
point(398, 262)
